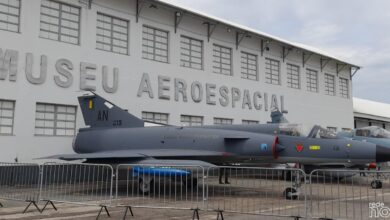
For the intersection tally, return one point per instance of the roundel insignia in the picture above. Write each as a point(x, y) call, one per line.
point(299, 147)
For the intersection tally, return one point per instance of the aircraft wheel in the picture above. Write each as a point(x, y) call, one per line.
point(376, 184)
point(145, 187)
point(190, 183)
point(290, 193)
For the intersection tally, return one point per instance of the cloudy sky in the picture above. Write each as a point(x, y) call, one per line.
point(355, 30)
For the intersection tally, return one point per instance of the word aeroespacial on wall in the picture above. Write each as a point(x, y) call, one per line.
point(209, 93)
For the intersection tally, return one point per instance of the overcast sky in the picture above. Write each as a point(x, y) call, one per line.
point(356, 30)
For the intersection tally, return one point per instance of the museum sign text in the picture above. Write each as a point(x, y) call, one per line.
point(168, 88)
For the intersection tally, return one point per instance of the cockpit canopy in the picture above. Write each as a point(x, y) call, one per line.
point(372, 131)
point(300, 130)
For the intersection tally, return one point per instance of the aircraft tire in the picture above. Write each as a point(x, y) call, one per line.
point(289, 193)
point(376, 184)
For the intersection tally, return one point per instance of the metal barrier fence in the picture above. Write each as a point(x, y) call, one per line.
point(88, 184)
point(20, 182)
point(260, 191)
point(165, 186)
point(349, 194)
point(324, 194)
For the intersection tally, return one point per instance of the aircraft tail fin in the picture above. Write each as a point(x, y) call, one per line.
point(98, 112)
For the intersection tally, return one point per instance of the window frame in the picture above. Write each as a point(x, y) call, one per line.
point(59, 22)
point(190, 53)
point(344, 88)
point(271, 74)
point(245, 75)
point(55, 119)
point(8, 14)
point(12, 118)
point(290, 76)
point(309, 84)
point(249, 122)
point(191, 121)
point(328, 85)
point(112, 33)
point(154, 117)
point(220, 68)
point(222, 121)
point(154, 44)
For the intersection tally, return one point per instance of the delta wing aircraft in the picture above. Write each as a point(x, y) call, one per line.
point(115, 136)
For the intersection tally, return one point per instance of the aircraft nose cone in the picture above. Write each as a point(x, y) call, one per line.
point(382, 153)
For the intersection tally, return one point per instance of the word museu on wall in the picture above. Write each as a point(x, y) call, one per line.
point(182, 91)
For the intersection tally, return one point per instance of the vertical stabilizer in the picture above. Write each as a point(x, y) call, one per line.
point(98, 112)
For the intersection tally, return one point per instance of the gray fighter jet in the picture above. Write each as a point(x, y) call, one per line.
point(114, 136)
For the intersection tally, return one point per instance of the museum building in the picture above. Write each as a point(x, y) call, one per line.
point(162, 62)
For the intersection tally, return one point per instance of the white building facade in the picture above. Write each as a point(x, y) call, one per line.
point(371, 113)
point(161, 62)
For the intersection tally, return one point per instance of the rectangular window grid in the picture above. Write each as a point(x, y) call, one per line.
point(55, 120)
point(248, 66)
point(222, 60)
point(344, 88)
point(190, 120)
point(293, 79)
point(60, 21)
point(7, 112)
point(112, 34)
point(329, 84)
point(191, 53)
point(10, 15)
point(272, 71)
point(223, 121)
point(312, 80)
point(156, 117)
point(154, 44)
point(250, 122)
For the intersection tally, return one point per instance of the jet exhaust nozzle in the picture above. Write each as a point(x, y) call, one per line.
point(382, 154)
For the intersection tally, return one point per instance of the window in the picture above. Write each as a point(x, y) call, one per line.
point(190, 120)
point(250, 122)
point(344, 88)
point(7, 110)
point(191, 53)
point(222, 62)
point(248, 66)
point(272, 71)
point(332, 129)
point(55, 120)
point(60, 21)
point(155, 44)
point(329, 84)
point(10, 15)
point(223, 121)
point(293, 76)
point(312, 80)
point(112, 34)
point(161, 118)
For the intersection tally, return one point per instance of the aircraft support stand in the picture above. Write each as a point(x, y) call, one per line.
point(220, 213)
point(128, 208)
point(31, 202)
point(101, 209)
point(195, 213)
point(47, 203)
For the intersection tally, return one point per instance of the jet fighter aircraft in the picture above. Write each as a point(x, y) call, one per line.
point(115, 136)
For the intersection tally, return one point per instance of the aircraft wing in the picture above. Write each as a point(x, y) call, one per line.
point(134, 154)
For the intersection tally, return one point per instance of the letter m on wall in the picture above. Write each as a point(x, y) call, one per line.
point(8, 64)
